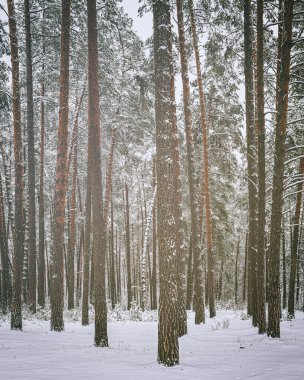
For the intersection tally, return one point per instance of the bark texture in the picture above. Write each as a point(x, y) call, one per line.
point(295, 243)
point(251, 166)
point(16, 316)
point(206, 191)
point(274, 305)
point(261, 310)
point(31, 161)
point(168, 348)
point(57, 281)
point(99, 246)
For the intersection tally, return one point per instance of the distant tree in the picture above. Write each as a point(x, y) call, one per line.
point(4, 254)
point(128, 248)
point(206, 191)
point(198, 292)
point(87, 239)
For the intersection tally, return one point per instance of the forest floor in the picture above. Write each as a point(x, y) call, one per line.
point(226, 347)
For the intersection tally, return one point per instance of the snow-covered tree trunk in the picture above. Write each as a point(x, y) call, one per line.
point(168, 349)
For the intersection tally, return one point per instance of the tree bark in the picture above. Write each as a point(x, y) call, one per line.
point(41, 261)
point(236, 274)
point(16, 316)
point(180, 243)
point(72, 224)
point(189, 277)
point(154, 247)
point(284, 270)
point(128, 248)
point(57, 283)
point(5, 264)
point(295, 243)
point(251, 166)
point(31, 161)
point(274, 308)
point(87, 241)
point(261, 311)
point(245, 269)
point(168, 349)
point(210, 252)
point(99, 242)
point(198, 293)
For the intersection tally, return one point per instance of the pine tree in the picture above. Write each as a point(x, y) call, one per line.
point(251, 167)
point(199, 302)
point(295, 243)
point(16, 316)
point(41, 260)
point(31, 161)
point(274, 305)
point(206, 191)
point(57, 281)
point(99, 241)
point(261, 312)
point(128, 248)
point(168, 349)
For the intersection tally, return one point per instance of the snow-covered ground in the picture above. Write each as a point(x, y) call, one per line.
point(226, 347)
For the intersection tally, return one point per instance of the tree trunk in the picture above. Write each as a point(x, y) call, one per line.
point(168, 348)
point(31, 161)
point(189, 277)
point(236, 274)
point(274, 308)
point(261, 311)
point(245, 269)
point(128, 248)
point(5, 264)
point(16, 316)
point(99, 243)
point(57, 283)
point(7, 177)
point(87, 241)
point(112, 253)
point(295, 243)
point(154, 247)
point(206, 191)
point(251, 166)
point(284, 270)
point(180, 243)
point(72, 225)
point(41, 261)
point(198, 293)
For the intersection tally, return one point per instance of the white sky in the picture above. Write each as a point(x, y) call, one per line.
point(142, 25)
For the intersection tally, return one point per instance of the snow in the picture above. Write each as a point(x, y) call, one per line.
point(226, 347)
